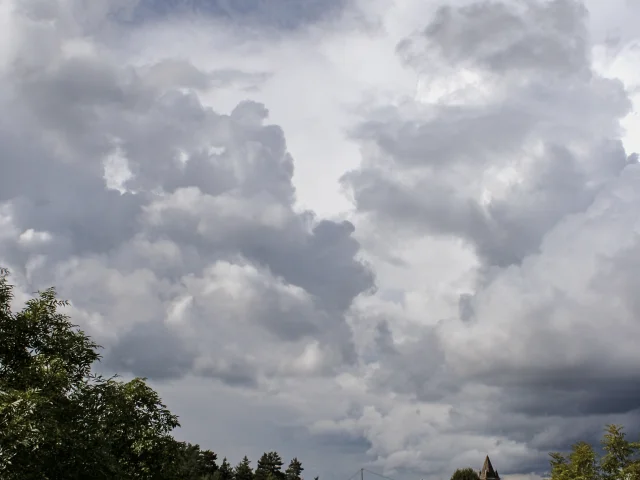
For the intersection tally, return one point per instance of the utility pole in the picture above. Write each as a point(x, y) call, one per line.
point(362, 474)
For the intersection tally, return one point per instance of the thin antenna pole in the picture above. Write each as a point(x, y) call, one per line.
point(362, 474)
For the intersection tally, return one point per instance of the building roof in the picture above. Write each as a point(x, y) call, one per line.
point(487, 469)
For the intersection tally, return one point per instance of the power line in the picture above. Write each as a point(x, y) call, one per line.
point(360, 473)
point(357, 473)
point(377, 474)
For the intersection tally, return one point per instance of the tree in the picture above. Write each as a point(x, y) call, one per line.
point(580, 464)
point(243, 470)
point(225, 472)
point(60, 421)
point(208, 464)
point(619, 462)
point(194, 463)
point(465, 474)
point(559, 466)
point(294, 470)
point(269, 467)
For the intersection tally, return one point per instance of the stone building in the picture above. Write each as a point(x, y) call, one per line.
point(487, 472)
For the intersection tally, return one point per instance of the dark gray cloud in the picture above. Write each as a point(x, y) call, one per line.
point(283, 15)
point(204, 215)
point(151, 350)
point(172, 228)
point(516, 37)
point(522, 160)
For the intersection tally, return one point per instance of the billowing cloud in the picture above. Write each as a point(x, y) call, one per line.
point(510, 151)
point(514, 147)
point(164, 164)
point(170, 226)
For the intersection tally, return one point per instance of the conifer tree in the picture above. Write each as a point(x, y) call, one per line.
point(294, 470)
point(243, 470)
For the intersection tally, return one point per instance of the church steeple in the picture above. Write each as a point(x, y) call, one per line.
point(487, 472)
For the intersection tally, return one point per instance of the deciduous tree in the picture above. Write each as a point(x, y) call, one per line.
point(619, 462)
point(60, 421)
point(465, 474)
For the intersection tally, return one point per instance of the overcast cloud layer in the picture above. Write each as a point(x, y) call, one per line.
point(393, 234)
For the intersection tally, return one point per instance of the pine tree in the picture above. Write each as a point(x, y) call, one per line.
point(294, 470)
point(243, 470)
point(225, 472)
point(269, 467)
point(208, 462)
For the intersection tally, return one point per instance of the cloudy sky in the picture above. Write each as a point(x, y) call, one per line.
point(399, 234)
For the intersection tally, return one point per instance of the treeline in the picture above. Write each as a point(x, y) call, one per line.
point(61, 421)
point(201, 464)
point(619, 460)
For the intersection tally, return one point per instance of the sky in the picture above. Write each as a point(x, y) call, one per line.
point(391, 234)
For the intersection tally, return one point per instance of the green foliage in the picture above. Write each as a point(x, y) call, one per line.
point(621, 459)
point(294, 470)
point(269, 467)
point(59, 421)
point(194, 463)
point(225, 472)
point(465, 474)
point(243, 470)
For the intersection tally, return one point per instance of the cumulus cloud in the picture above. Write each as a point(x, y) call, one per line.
point(197, 244)
point(164, 163)
point(514, 146)
point(510, 151)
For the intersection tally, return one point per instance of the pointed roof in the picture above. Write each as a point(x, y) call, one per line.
point(487, 469)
